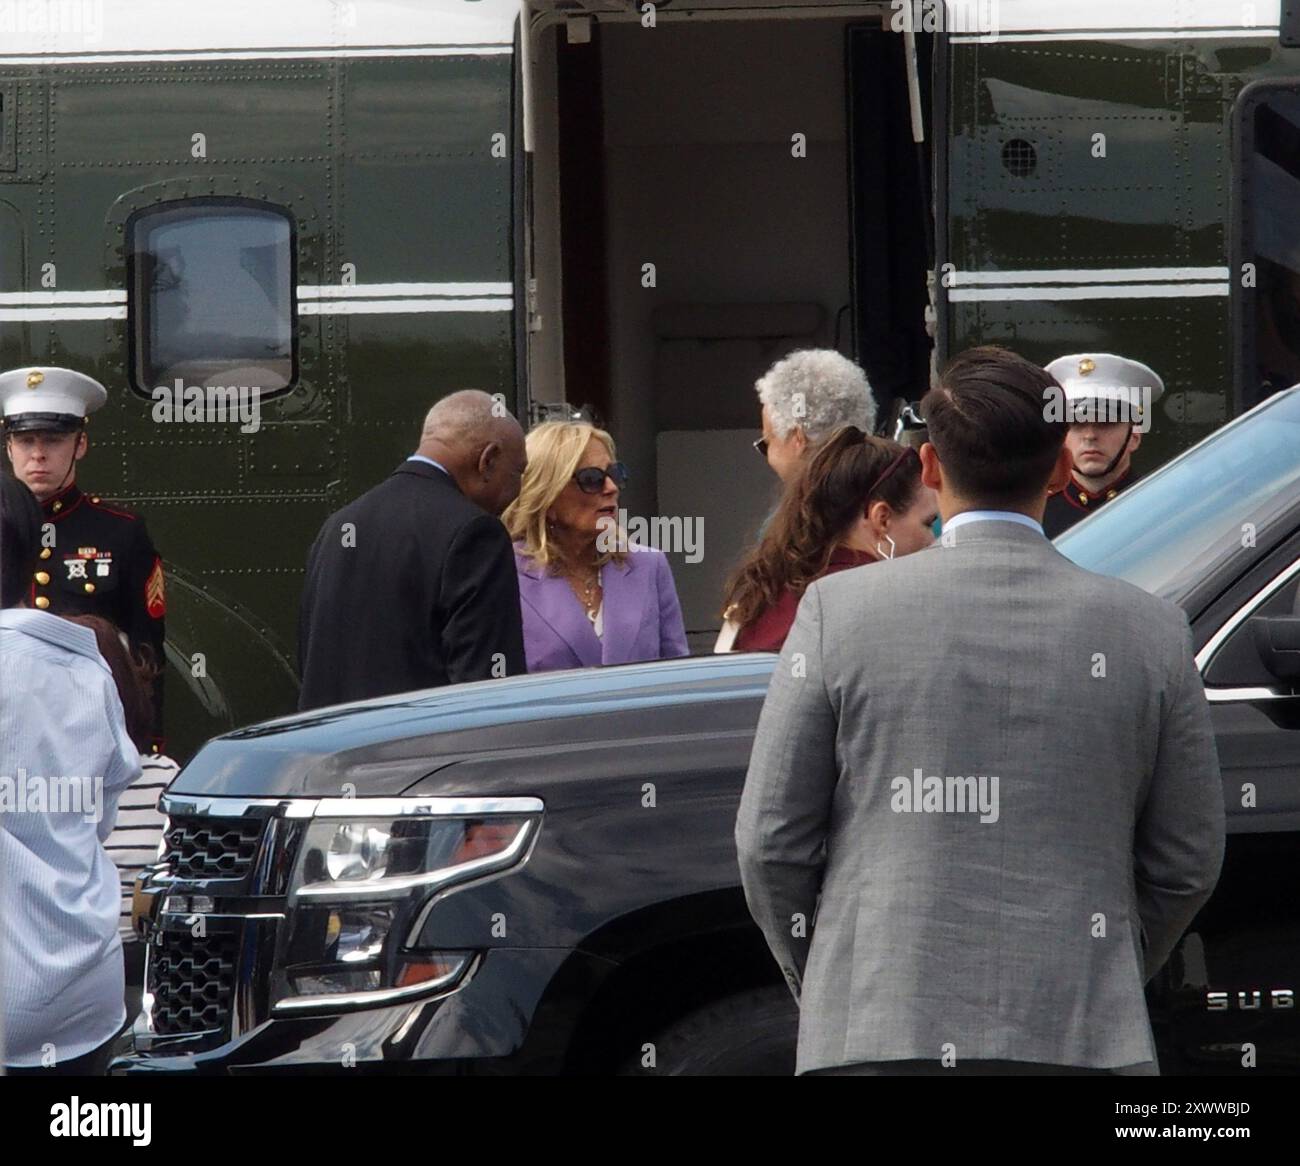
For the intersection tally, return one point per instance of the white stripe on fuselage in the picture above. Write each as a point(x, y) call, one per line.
point(1081, 283)
point(90, 31)
point(89, 312)
point(383, 307)
point(1086, 275)
point(1244, 33)
point(349, 291)
point(127, 31)
point(306, 291)
point(314, 300)
point(127, 58)
point(63, 297)
point(497, 296)
point(1127, 291)
point(1069, 16)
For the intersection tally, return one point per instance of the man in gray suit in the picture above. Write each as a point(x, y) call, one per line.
point(969, 848)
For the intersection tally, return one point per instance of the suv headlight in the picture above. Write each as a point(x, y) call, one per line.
point(357, 851)
point(365, 869)
point(388, 856)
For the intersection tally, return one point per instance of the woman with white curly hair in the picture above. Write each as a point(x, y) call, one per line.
point(806, 397)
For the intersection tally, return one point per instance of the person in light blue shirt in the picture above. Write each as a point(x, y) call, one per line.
point(65, 758)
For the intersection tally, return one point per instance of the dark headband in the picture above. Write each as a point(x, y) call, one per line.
point(898, 461)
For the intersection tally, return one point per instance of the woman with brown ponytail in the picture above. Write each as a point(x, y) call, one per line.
point(858, 499)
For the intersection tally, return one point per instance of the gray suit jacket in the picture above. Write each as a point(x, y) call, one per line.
point(1009, 919)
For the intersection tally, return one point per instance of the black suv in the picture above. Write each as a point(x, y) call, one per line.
point(537, 875)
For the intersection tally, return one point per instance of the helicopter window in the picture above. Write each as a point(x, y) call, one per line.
point(211, 296)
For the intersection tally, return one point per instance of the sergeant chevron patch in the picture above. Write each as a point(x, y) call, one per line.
point(154, 599)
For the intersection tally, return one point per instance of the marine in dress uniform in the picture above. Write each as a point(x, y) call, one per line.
point(1106, 392)
point(100, 559)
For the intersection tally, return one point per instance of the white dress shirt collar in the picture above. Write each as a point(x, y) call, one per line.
point(419, 457)
point(991, 516)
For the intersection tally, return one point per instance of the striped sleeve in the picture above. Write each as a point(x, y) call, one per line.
point(138, 830)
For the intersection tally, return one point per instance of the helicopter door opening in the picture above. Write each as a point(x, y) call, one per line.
point(708, 196)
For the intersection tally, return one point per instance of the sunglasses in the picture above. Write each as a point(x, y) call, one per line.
point(761, 446)
point(591, 479)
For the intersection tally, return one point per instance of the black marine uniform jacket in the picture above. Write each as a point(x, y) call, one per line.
point(1075, 503)
point(102, 562)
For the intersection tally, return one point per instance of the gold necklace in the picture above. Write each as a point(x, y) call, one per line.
point(585, 588)
point(587, 594)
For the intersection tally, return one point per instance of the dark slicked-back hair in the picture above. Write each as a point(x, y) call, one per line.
point(20, 539)
point(993, 423)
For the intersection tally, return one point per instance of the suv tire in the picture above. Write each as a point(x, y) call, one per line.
point(750, 1034)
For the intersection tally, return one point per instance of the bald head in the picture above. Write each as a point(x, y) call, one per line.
point(481, 445)
point(466, 418)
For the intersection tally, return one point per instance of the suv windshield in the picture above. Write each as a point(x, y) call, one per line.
point(1177, 526)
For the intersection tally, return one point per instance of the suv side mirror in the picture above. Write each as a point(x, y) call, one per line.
point(1277, 640)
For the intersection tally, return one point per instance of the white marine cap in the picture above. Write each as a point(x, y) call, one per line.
point(51, 399)
point(1103, 376)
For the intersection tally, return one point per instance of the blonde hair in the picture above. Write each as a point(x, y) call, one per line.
point(555, 449)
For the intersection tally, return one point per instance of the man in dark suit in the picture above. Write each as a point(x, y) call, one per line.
point(413, 584)
point(955, 870)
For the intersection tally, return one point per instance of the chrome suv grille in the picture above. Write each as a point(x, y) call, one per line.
point(212, 848)
point(192, 979)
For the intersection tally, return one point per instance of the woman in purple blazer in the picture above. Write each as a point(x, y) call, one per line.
point(588, 597)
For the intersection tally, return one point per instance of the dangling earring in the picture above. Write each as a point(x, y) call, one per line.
point(892, 545)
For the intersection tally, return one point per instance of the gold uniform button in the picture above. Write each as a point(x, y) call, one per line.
point(94, 497)
point(1111, 494)
point(89, 588)
point(42, 602)
point(57, 507)
point(45, 552)
point(1084, 499)
point(42, 577)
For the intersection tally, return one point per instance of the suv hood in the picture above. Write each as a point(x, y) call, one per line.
point(385, 746)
